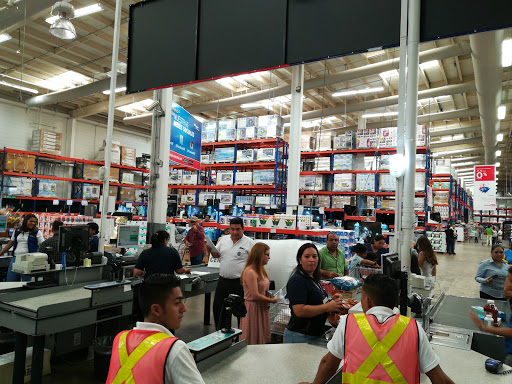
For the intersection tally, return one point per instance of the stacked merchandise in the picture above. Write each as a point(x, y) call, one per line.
point(385, 137)
point(206, 158)
point(189, 178)
point(247, 128)
point(19, 163)
point(311, 183)
point(367, 138)
point(441, 185)
point(17, 186)
point(387, 182)
point(344, 182)
point(343, 162)
point(91, 192)
point(209, 132)
point(266, 176)
point(323, 141)
point(339, 202)
point(346, 140)
point(47, 188)
point(92, 172)
point(175, 176)
point(127, 178)
point(128, 156)
point(246, 155)
point(442, 166)
point(45, 221)
point(438, 241)
point(421, 161)
point(366, 182)
point(205, 196)
point(227, 130)
point(307, 143)
point(316, 164)
point(270, 126)
point(269, 154)
point(224, 155)
point(45, 141)
point(115, 153)
point(245, 200)
point(243, 178)
point(225, 178)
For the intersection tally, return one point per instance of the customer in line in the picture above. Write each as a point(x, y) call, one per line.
point(427, 260)
point(51, 245)
point(377, 245)
point(494, 236)
point(256, 324)
point(488, 233)
point(25, 239)
point(505, 332)
point(195, 241)
point(94, 240)
point(508, 254)
point(370, 341)
point(491, 275)
point(308, 300)
point(150, 353)
point(360, 257)
point(233, 250)
point(332, 259)
point(451, 236)
point(160, 258)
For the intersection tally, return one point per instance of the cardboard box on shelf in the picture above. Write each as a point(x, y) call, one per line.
point(127, 194)
point(342, 162)
point(92, 191)
point(246, 155)
point(207, 158)
point(311, 183)
point(344, 182)
point(175, 176)
point(227, 130)
point(323, 141)
point(92, 172)
point(307, 143)
point(225, 178)
point(17, 186)
point(20, 163)
point(127, 178)
point(225, 155)
point(246, 133)
point(269, 154)
point(45, 141)
point(209, 132)
point(47, 188)
point(243, 178)
point(128, 156)
point(366, 182)
point(115, 153)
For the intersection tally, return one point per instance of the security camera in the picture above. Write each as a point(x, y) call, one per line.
point(153, 105)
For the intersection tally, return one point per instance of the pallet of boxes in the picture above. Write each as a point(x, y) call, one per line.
point(18, 163)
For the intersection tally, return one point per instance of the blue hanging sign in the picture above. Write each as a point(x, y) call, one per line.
point(185, 148)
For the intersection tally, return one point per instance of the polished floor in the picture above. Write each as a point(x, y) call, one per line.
point(455, 276)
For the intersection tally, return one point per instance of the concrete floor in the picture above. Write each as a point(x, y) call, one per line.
point(455, 276)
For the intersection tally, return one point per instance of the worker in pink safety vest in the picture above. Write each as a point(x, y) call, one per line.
point(378, 346)
point(150, 353)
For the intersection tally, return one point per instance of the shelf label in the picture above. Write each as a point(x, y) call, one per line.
point(85, 203)
point(273, 230)
point(129, 205)
point(222, 206)
point(273, 206)
point(321, 210)
point(69, 202)
point(247, 207)
point(55, 202)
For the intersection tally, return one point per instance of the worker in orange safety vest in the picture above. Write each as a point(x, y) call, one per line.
point(377, 346)
point(150, 353)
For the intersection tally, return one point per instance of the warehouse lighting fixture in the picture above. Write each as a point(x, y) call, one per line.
point(502, 112)
point(429, 64)
point(389, 74)
point(497, 172)
point(464, 164)
point(506, 53)
point(4, 37)
point(252, 105)
point(62, 27)
point(94, 8)
point(107, 92)
point(499, 137)
point(136, 117)
point(498, 153)
point(357, 92)
point(20, 87)
point(497, 164)
point(136, 108)
point(370, 115)
point(68, 79)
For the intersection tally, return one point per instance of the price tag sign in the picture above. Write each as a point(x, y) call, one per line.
point(222, 206)
point(273, 206)
point(129, 205)
point(247, 207)
point(55, 202)
point(267, 207)
point(69, 202)
point(85, 203)
point(321, 210)
point(273, 230)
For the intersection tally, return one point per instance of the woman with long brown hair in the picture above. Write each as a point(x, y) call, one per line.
point(427, 259)
point(256, 324)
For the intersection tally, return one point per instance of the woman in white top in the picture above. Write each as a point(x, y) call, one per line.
point(427, 259)
point(25, 239)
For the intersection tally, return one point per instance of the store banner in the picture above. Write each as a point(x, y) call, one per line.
point(484, 190)
point(185, 145)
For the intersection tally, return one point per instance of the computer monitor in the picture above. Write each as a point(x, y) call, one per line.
point(264, 211)
point(128, 215)
point(235, 210)
point(434, 218)
point(75, 240)
point(127, 236)
point(315, 213)
point(391, 265)
point(196, 210)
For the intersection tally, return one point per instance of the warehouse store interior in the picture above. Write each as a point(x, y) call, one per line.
point(294, 170)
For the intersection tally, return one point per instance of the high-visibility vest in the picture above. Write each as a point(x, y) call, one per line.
point(380, 353)
point(138, 357)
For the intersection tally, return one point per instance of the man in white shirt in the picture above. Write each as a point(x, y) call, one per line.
point(150, 352)
point(359, 341)
point(233, 252)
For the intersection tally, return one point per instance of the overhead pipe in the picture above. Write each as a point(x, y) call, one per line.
point(486, 57)
point(458, 152)
point(455, 131)
point(451, 143)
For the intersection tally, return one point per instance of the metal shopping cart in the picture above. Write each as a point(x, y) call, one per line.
point(362, 272)
point(280, 313)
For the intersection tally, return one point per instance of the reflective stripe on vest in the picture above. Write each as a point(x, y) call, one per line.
point(379, 353)
point(125, 374)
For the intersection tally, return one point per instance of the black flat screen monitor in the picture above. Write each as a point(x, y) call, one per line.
point(434, 218)
point(391, 265)
point(128, 215)
point(75, 240)
point(196, 210)
point(236, 211)
point(350, 210)
point(265, 211)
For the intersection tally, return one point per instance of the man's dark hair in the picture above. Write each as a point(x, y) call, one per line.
point(94, 227)
point(378, 238)
point(372, 256)
point(236, 221)
point(382, 289)
point(360, 248)
point(56, 225)
point(155, 289)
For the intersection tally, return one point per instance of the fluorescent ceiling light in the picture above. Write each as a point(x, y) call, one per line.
point(369, 115)
point(136, 117)
point(308, 124)
point(4, 37)
point(458, 137)
point(225, 82)
point(79, 12)
point(429, 64)
point(506, 53)
point(499, 137)
point(252, 105)
point(107, 92)
point(389, 74)
point(497, 164)
point(69, 79)
point(357, 92)
point(498, 153)
point(497, 172)
point(502, 112)
point(136, 108)
point(464, 164)
point(20, 87)
point(199, 118)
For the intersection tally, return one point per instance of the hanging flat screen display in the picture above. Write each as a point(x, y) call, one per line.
point(161, 44)
point(240, 36)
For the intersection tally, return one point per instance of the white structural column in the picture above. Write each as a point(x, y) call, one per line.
point(110, 125)
point(159, 174)
point(401, 123)
point(411, 115)
point(292, 196)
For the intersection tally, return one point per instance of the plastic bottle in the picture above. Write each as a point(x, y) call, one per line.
point(488, 320)
point(490, 309)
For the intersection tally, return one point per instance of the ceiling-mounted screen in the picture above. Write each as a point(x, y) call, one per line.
point(240, 36)
point(162, 43)
point(322, 28)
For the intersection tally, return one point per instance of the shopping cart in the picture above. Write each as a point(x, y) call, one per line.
point(280, 313)
point(361, 272)
point(483, 238)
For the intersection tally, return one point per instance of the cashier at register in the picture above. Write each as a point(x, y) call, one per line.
point(94, 241)
point(150, 353)
point(51, 245)
point(358, 340)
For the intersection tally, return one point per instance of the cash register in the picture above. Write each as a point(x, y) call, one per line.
point(28, 263)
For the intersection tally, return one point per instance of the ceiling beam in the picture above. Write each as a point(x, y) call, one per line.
point(103, 105)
